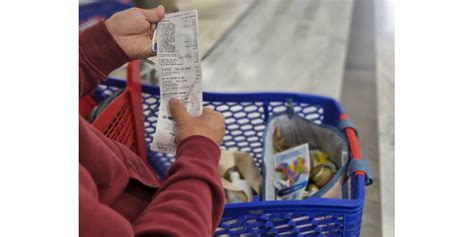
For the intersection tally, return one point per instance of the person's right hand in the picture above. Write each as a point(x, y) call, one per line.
point(210, 124)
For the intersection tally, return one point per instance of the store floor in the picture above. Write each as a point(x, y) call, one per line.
point(283, 46)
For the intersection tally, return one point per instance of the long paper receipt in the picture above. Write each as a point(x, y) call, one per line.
point(179, 68)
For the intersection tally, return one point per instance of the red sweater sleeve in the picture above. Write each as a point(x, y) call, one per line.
point(190, 202)
point(99, 54)
point(191, 199)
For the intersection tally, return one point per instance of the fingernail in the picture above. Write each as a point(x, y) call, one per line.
point(161, 10)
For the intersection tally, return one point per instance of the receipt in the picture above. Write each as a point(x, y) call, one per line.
point(179, 67)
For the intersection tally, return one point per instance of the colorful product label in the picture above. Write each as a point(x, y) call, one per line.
point(292, 172)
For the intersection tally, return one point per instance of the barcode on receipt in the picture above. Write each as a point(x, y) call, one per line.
point(167, 32)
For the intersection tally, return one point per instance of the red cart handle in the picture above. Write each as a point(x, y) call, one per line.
point(358, 165)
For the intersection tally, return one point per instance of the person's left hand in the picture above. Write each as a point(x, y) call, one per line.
point(133, 30)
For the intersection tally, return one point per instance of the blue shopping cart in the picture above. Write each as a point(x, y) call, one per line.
point(246, 116)
point(89, 13)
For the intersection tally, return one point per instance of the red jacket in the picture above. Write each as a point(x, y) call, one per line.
point(118, 194)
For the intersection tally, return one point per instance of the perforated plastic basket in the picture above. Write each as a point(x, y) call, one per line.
point(89, 13)
point(101, 9)
point(246, 115)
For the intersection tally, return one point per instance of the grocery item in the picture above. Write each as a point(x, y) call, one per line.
point(321, 174)
point(327, 146)
point(320, 157)
point(244, 164)
point(278, 141)
point(292, 169)
point(311, 189)
point(239, 185)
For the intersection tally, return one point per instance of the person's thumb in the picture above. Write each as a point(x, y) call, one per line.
point(153, 15)
point(178, 110)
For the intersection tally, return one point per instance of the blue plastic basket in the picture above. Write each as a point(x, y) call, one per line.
point(100, 10)
point(246, 115)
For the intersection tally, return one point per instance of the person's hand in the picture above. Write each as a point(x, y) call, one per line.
point(133, 30)
point(210, 124)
